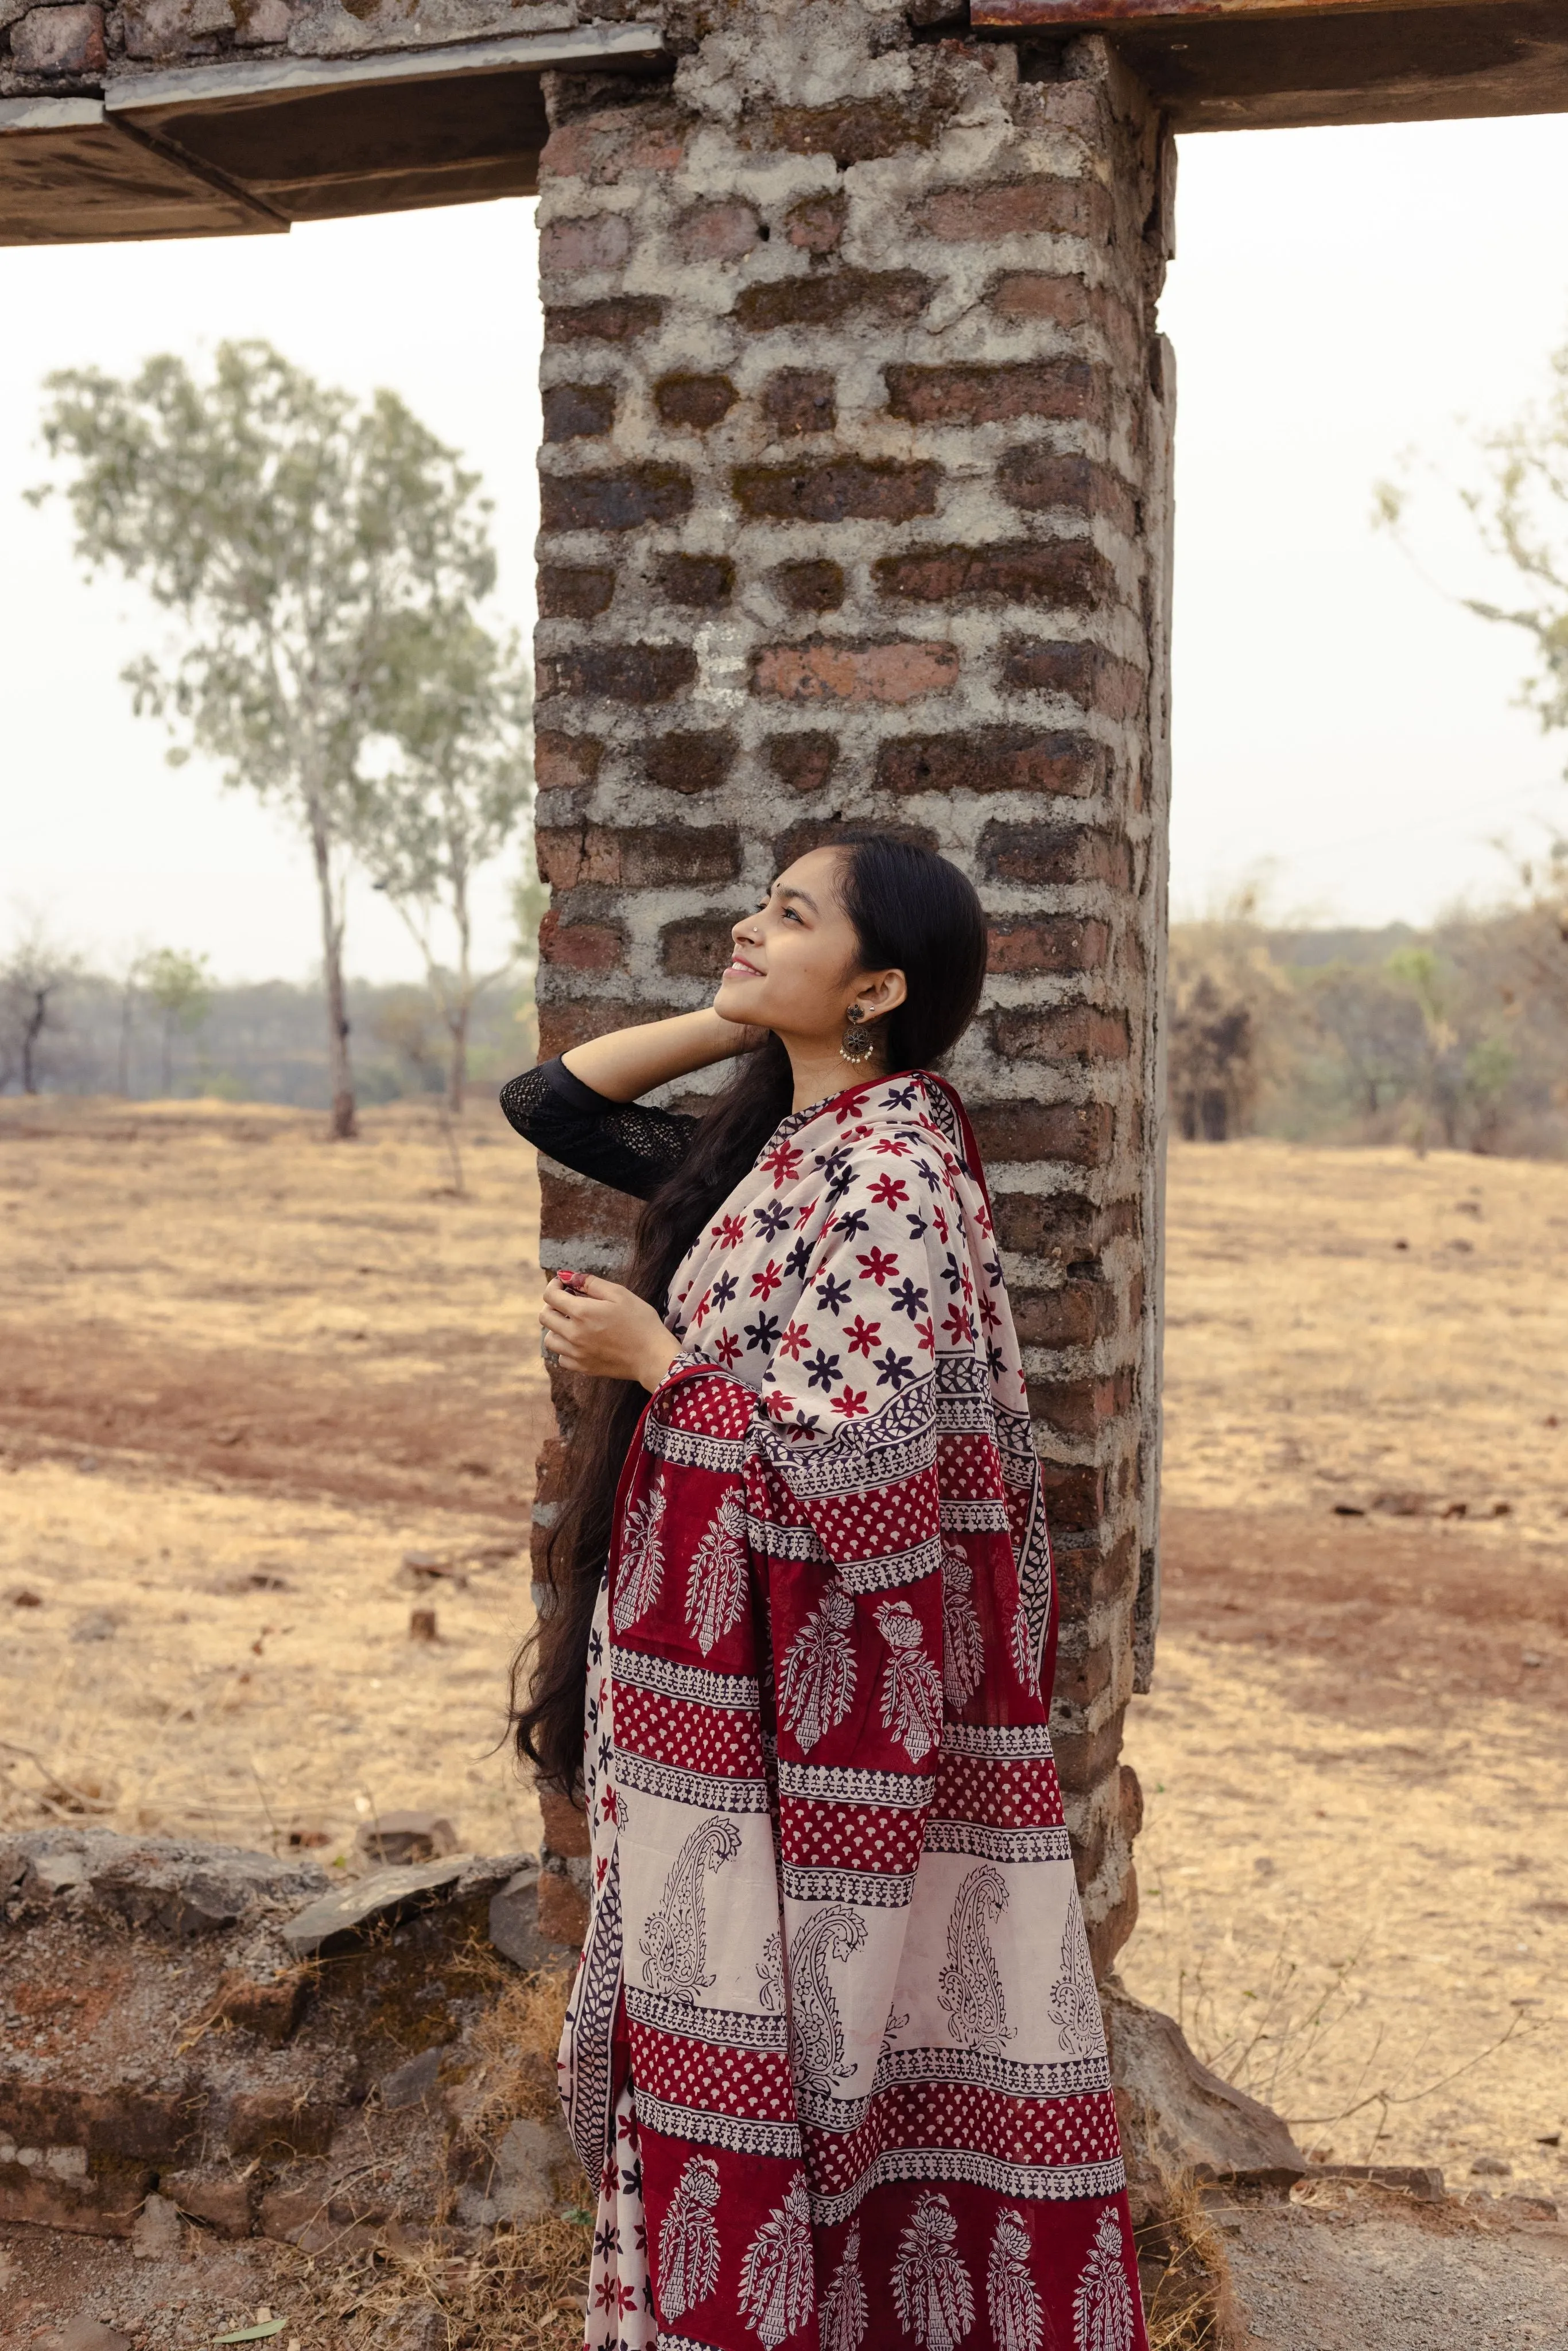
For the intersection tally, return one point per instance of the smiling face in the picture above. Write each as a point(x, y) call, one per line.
point(796, 966)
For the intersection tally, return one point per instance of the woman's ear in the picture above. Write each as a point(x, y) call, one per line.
point(882, 995)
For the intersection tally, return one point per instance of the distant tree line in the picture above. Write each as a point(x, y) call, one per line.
point(161, 1029)
point(1454, 1038)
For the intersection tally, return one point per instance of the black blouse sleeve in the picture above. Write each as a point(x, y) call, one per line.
point(619, 1143)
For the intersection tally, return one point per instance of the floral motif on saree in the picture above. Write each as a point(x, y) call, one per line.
point(836, 1962)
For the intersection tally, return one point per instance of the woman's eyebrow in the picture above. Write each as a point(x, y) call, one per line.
point(804, 897)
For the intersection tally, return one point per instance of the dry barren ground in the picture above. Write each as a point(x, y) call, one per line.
point(1355, 1867)
point(244, 1373)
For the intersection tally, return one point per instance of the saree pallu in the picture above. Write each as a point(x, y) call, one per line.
point(835, 2019)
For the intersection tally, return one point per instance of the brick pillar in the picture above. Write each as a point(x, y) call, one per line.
point(855, 489)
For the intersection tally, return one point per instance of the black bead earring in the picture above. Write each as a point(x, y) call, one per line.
point(858, 1044)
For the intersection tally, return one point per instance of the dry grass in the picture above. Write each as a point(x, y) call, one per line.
point(1193, 2305)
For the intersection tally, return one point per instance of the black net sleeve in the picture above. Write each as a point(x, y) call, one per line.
point(619, 1143)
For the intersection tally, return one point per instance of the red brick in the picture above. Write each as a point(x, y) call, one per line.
point(817, 222)
point(837, 489)
point(1048, 942)
point(582, 947)
point(1085, 1758)
point(718, 232)
point(696, 581)
point(829, 669)
point(1110, 1931)
point(809, 587)
point(696, 949)
point(698, 401)
point(968, 216)
point(605, 148)
point(1080, 1679)
point(1040, 854)
point(577, 1211)
point(638, 856)
point(1038, 480)
point(1075, 1314)
point(1130, 1805)
point(59, 41)
point(636, 673)
point(574, 592)
point(1077, 1034)
point(1090, 1574)
point(799, 400)
point(565, 762)
point(1080, 1408)
point(620, 320)
point(572, 248)
point(994, 759)
point(1074, 1499)
point(803, 762)
point(689, 762)
point(565, 1824)
point(859, 131)
point(1067, 302)
point(829, 298)
point(1066, 389)
point(624, 500)
point(1076, 667)
point(578, 412)
point(1069, 573)
point(1079, 1133)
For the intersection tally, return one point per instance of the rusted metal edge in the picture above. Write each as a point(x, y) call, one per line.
point(301, 76)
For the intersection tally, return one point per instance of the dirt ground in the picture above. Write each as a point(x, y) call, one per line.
point(244, 1374)
point(1354, 1871)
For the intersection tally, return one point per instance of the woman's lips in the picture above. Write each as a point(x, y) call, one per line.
point(738, 969)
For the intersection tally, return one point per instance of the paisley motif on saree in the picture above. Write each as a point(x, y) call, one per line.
point(836, 1949)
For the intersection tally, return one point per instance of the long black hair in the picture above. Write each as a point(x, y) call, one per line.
point(911, 911)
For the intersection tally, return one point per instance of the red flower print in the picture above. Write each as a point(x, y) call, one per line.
point(878, 1265)
point(983, 1216)
point(731, 1231)
point(939, 1221)
point(805, 1216)
point(862, 1335)
point(890, 1190)
point(989, 1310)
point(628, 2299)
point(850, 1402)
point(765, 1283)
point(607, 1805)
point(926, 1334)
point(959, 1326)
point(795, 1337)
point(782, 1163)
point(726, 1347)
point(703, 1308)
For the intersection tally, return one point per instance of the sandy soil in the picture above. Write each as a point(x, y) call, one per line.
point(243, 1373)
point(1355, 1869)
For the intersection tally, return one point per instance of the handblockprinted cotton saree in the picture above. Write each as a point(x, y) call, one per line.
point(835, 2051)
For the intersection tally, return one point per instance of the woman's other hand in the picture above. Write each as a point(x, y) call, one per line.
point(606, 1331)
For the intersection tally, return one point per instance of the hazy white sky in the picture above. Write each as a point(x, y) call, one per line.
point(1340, 727)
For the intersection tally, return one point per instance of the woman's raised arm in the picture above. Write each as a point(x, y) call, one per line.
point(630, 1062)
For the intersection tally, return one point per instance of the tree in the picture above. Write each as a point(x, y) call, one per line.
point(302, 539)
point(181, 988)
point(33, 978)
point(455, 713)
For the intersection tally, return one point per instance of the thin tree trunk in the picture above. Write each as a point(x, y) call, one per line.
point(30, 1036)
point(457, 1019)
point(168, 1055)
point(340, 1067)
point(125, 1018)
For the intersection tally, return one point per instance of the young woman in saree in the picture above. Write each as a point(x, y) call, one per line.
point(833, 2052)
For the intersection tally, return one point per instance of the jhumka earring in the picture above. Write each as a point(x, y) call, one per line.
point(858, 1044)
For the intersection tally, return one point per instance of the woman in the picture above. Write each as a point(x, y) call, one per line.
point(833, 2051)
